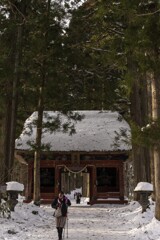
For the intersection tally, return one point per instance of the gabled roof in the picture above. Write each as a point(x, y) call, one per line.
point(98, 131)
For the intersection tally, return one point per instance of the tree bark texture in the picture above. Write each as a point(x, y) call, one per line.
point(14, 63)
point(156, 148)
point(139, 115)
point(2, 162)
point(37, 156)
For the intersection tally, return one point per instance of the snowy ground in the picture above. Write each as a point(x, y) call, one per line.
point(97, 222)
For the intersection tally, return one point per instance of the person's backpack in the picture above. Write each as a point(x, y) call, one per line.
point(54, 203)
point(64, 209)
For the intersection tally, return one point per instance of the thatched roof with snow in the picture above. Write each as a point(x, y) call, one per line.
point(97, 131)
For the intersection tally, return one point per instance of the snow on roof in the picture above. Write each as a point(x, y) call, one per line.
point(144, 186)
point(97, 131)
point(15, 186)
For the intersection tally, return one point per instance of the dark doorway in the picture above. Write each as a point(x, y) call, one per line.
point(47, 180)
point(107, 179)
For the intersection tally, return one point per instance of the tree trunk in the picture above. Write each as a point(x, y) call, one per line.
point(7, 130)
point(14, 63)
point(139, 116)
point(2, 162)
point(150, 81)
point(15, 96)
point(157, 180)
point(37, 155)
point(156, 148)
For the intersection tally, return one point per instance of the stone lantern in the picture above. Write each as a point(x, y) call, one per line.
point(13, 189)
point(144, 189)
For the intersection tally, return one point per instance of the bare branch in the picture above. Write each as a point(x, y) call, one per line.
point(13, 6)
point(148, 14)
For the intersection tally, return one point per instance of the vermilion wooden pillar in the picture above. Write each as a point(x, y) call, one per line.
point(121, 181)
point(57, 170)
point(93, 187)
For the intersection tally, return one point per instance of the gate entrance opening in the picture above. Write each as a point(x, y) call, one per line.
point(72, 181)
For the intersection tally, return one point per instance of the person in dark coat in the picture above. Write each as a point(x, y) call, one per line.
point(61, 202)
point(78, 198)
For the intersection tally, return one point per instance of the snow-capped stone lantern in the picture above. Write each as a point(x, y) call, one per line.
point(13, 189)
point(144, 189)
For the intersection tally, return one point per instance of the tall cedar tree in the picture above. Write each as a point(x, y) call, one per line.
point(40, 61)
point(44, 62)
point(43, 46)
point(124, 30)
point(13, 16)
point(142, 42)
point(93, 73)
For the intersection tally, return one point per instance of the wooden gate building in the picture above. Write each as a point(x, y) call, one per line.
point(92, 158)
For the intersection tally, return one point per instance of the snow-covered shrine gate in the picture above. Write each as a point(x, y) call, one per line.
point(87, 159)
point(101, 180)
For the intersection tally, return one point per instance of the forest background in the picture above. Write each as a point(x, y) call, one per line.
point(100, 55)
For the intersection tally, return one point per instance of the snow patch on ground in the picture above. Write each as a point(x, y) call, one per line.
point(99, 221)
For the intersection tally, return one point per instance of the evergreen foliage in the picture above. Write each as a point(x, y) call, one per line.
point(107, 58)
point(94, 71)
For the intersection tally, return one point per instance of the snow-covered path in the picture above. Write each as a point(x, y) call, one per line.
point(97, 222)
point(85, 222)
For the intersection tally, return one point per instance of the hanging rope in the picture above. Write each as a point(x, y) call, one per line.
point(69, 170)
point(76, 172)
